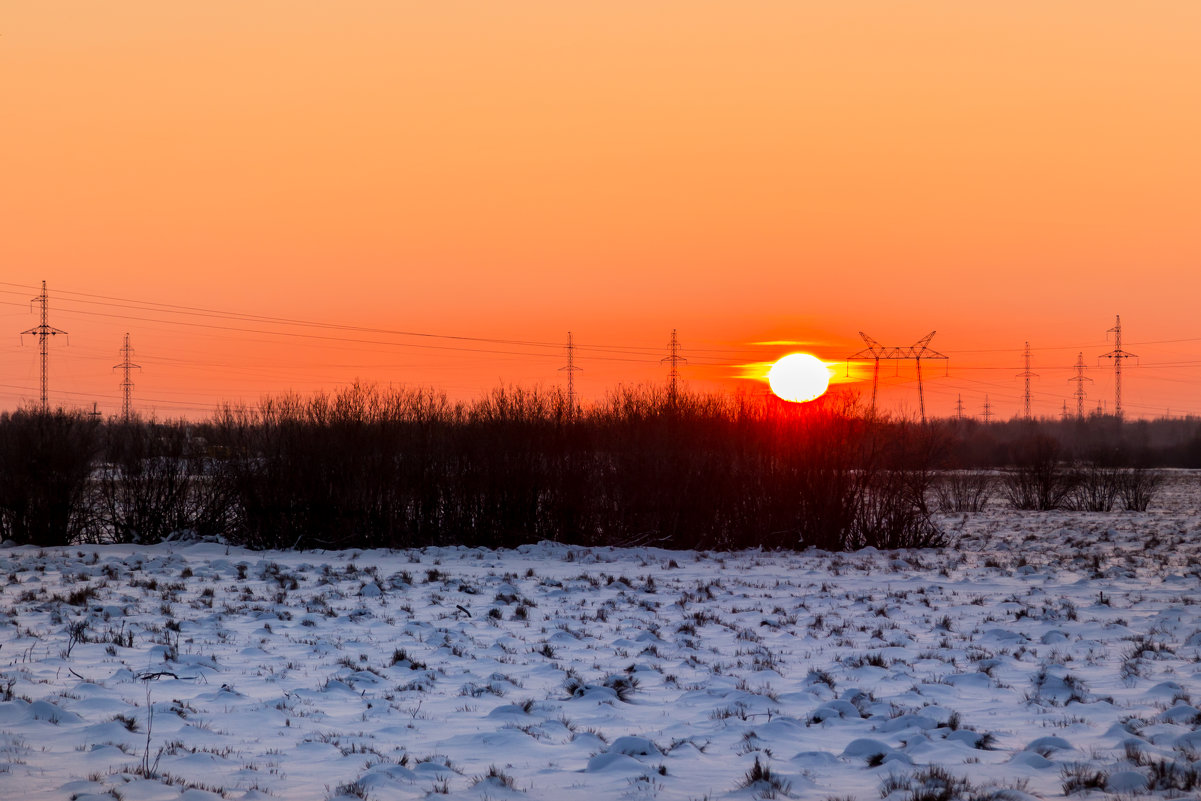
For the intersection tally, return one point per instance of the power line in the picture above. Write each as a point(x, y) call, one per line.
point(171, 308)
point(373, 339)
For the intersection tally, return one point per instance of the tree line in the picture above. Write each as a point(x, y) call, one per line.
point(373, 467)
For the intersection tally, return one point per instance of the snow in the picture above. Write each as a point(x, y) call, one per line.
point(1041, 649)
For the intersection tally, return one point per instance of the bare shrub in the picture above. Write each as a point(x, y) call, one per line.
point(964, 490)
point(1038, 478)
point(1096, 488)
point(1138, 486)
point(893, 510)
point(45, 460)
point(154, 482)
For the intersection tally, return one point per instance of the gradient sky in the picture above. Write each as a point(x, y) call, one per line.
point(750, 172)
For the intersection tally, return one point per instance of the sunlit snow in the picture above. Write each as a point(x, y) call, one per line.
point(1042, 653)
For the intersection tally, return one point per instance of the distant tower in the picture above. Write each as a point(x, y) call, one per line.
point(1027, 375)
point(959, 407)
point(1079, 379)
point(1117, 354)
point(43, 332)
point(674, 359)
point(570, 369)
point(126, 384)
point(987, 410)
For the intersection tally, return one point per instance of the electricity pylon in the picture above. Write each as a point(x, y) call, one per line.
point(571, 370)
point(1117, 354)
point(43, 332)
point(917, 351)
point(673, 358)
point(1079, 379)
point(987, 415)
point(1026, 374)
point(127, 384)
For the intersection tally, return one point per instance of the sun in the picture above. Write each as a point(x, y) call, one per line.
point(798, 377)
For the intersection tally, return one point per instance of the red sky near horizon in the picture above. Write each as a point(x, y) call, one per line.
point(503, 173)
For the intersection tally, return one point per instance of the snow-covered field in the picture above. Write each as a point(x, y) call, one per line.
point(1043, 653)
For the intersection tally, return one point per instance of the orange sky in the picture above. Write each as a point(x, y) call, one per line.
point(742, 172)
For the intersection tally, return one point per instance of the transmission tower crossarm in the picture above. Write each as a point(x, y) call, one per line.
point(872, 345)
point(924, 341)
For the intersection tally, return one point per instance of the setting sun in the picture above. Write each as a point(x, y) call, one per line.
point(798, 377)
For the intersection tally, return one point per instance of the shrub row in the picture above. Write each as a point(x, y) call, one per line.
point(368, 467)
point(1041, 477)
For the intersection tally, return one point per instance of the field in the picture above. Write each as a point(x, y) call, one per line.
point(1042, 654)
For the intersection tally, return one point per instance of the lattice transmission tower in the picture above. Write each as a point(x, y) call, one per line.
point(571, 370)
point(987, 412)
point(674, 359)
point(1118, 355)
point(1027, 375)
point(43, 332)
point(126, 383)
point(1079, 380)
point(877, 352)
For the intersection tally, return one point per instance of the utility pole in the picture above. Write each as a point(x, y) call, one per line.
point(987, 410)
point(571, 371)
point(1026, 374)
point(917, 351)
point(127, 384)
point(43, 333)
point(1079, 379)
point(1117, 354)
point(673, 375)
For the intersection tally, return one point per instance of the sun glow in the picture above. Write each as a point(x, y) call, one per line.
point(798, 377)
